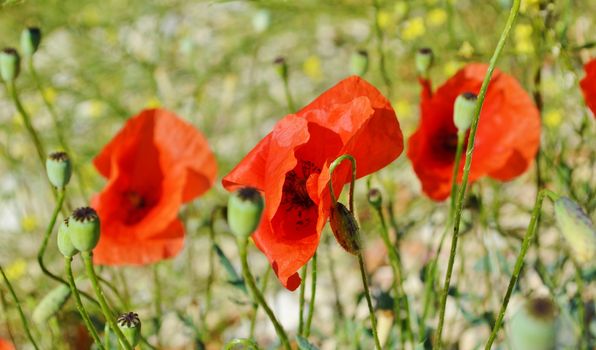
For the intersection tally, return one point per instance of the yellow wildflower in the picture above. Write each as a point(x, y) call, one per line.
point(413, 29)
point(16, 269)
point(436, 17)
point(552, 119)
point(312, 68)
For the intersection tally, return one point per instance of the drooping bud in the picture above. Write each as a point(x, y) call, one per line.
point(65, 245)
point(245, 207)
point(281, 66)
point(51, 304)
point(424, 60)
point(345, 228)
point(375, 198)
point(577, 228)
point(59, 169)
point(83, 228)
point(534, 325)
point(10, 64)
point(359, 62)
point(30, 39)
point(130, 325)
point(463, 111)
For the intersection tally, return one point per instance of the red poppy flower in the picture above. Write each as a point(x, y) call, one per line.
point(507, 138)
point(291, 167)
point(153, 165)
point(5, 345)
point(588, 85)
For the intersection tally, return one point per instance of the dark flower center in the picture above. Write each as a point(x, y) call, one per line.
point(136, 200)
point(139, 204)
point(295, 194)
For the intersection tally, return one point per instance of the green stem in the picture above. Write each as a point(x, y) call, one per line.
point(469, 150)
point(581, 310)
point(156, 292)
point(303, 274)
point(88, 260)
point(6, 318)
point(460, 146)
point(313, 292)
point(46, 238)
point(250, 281)
point(289, 99)
point(253, 319)
point(247, 343)
point(332, 167)
point(371, 309)
point(519, 263)
point(380, 51)
point(80, 306)
point(21, 313)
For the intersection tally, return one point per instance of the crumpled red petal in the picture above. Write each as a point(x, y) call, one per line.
point(588, 85)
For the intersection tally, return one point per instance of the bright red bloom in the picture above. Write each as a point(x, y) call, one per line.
point(291, 167)
point(153, 165)
point(5, 345)
point(588, 85)
point(507, 138)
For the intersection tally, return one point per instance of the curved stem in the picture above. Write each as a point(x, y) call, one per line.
point(519, 263)
point(303, 274)
point(332, 167)
point(371, 309)
point(248, 344)
point(469, 150)
point(250, 281)
point(21, 313)
point(80, 306)
point(88, 260)
point(313, 293)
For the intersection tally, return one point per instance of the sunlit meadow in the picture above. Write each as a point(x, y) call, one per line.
point(199, 179)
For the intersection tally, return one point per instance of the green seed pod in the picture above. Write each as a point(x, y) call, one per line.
point(65, 245)
point(83, 229)
point(533, 327)
point(59, 169)
point(51, 304)
point(463, 111)
point(130, 325)
point(375, 198)
point(281, 66)
point(10, 64)
point(359, 62)
point(424, 60)
point(30, 39)
point(577, 228)
point(244, 211)
point(345, 228)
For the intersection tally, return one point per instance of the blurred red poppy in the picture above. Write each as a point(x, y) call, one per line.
point(507, 138)
point(588, 85)
point(291, 167)
point(5, 345)
point(153, 165)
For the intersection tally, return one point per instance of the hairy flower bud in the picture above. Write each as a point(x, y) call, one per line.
point(345, 228)
point(30, 39)
point(51, 304)
point(83, 229)
point(130, 325)
point(463, 111)
point(577, 228)
point(359, 62)
point(10, 64)
point(533, 325)
point(59, 169)
point(245, 207)
point(65, 245)
point(424, 60)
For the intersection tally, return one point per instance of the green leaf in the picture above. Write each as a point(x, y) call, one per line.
point(304, 344)
point(234, 277)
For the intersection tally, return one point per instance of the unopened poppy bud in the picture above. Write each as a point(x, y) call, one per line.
point(359, 62)
point(345, 228)
point(424, 60)
point(281, 66)
point(375, 198)
point(59, 169)
point(533, 326)
point(65, 245)
point(51, 304)
point(10, 64)
point(245, 207)
point(463, 110)
point(30, 39)
point(83, 229)
point(577, 228)
point(130, 325)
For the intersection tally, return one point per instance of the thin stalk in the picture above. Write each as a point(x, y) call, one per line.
point(21, 313)
point(581, 309)
point(519, 263)
point(256, 294)
point(313, 292)
point(289, 99)
point(469, 150)
point(303, 274)
point(460, 146)
point(380, 51)
point(371, 309)
point(6, 318)
point(253, 319)
point(156, 292)
point(80, 306)
point(88, 260)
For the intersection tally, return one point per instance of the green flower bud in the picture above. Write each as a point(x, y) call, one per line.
point(130, 325)
point(83, 228)
point(59, 169)
point(424, 60)
point(244, 211)
point(463, 110)
point(281, 66)
point(375, 198)
point(51, 304)
point(30, 39)
point(345, 228)
point(65, 245)
point(533, 326)
point(359, 62)
point(577, 228)
point(10, 64)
